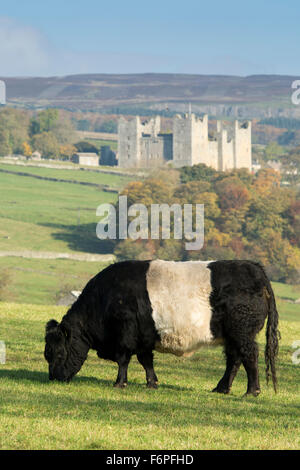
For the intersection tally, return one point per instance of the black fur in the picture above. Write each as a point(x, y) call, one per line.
point(241, 299)
point(113, 316)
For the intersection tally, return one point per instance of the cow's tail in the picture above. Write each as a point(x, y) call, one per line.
point(272, 336)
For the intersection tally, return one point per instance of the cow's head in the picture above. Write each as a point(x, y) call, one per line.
point(65, 351)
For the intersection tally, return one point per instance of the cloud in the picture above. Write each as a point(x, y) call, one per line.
point(26, 51)
point(23, 50)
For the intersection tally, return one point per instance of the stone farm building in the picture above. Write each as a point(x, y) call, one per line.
point(85, 158)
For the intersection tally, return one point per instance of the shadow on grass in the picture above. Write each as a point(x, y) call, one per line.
point(43, 377)
point(81, 237)
point(23, 374)
point(116, 406)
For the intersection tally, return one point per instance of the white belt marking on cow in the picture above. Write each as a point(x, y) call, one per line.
point(179, 294)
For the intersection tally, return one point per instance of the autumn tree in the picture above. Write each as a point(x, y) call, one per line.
point(5, 145)
point(266, 181)
point(13, 130)
point(67, 151)
point(26, 149)
point(46, 143)
point(246, 216)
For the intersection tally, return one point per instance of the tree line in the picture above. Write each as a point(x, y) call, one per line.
point(50, 131)
point(246, 216)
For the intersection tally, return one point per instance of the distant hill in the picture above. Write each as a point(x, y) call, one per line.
point(231, 96)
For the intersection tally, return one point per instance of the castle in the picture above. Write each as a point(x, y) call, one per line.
point(143, 145)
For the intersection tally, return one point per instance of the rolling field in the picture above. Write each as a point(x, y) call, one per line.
point(47, 216)
point(41, 215)
point(89, 413)
point(49, 205)
point(88, 176)
point(44, 282)
point(182, 413)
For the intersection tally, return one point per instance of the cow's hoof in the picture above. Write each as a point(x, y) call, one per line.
point(255, 393)
point(223, 390)
point(152, 385)
point(120, 385)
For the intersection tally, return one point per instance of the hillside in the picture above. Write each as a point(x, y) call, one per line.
point(48, 230)
point(252, 96)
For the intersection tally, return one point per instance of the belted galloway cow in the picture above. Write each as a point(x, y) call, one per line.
point(137, 307)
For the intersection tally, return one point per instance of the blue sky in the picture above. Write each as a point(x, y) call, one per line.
point(61, 37)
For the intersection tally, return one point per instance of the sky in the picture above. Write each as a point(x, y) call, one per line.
point(63, 37)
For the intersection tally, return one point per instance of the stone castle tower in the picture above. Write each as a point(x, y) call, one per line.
point(143, 145)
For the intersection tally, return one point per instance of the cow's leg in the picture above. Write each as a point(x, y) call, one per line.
point(123, 361)
point(233, 362)
point(250, 362)
point(240, 328)
point(146, 360)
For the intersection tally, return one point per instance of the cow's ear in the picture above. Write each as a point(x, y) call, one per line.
point(50, 325)
point(66, 330)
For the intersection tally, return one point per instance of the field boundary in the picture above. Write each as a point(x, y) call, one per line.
point(53, 255)
point(103, 187)
point(60, 166)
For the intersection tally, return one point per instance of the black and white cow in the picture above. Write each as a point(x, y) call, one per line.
point(135, 307)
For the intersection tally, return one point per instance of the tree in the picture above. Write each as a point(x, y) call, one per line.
point(273, 151)
point(187, 191)
point(132, 249)
point(266, 181)
point(293, 217)
point(232, 192)
point(54, 121)
point(5, 146)
point(286, 138)
point(171, 250)
point(63, 129)
point(83, 125)
point(266, 212)
point(47, 144)
point(44, 122)
point(246, 216)
point(150, 191)
point(13, 130)
point(67, 151)
point(26, 149)
point(197, 172)
point(110, 127)
point(85, 146)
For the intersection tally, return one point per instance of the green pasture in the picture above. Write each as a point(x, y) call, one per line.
point(44, 282)
point(89, 413)
point(50, 216)
point(182, 413)
point(82, 175)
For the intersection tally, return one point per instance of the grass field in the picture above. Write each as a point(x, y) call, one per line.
point(39, 215)
point(44, 282)
point(95, 177)
point(39, 202)
point(89, 413)
point(61, 217)
point(182, 413)
point(50, 216)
